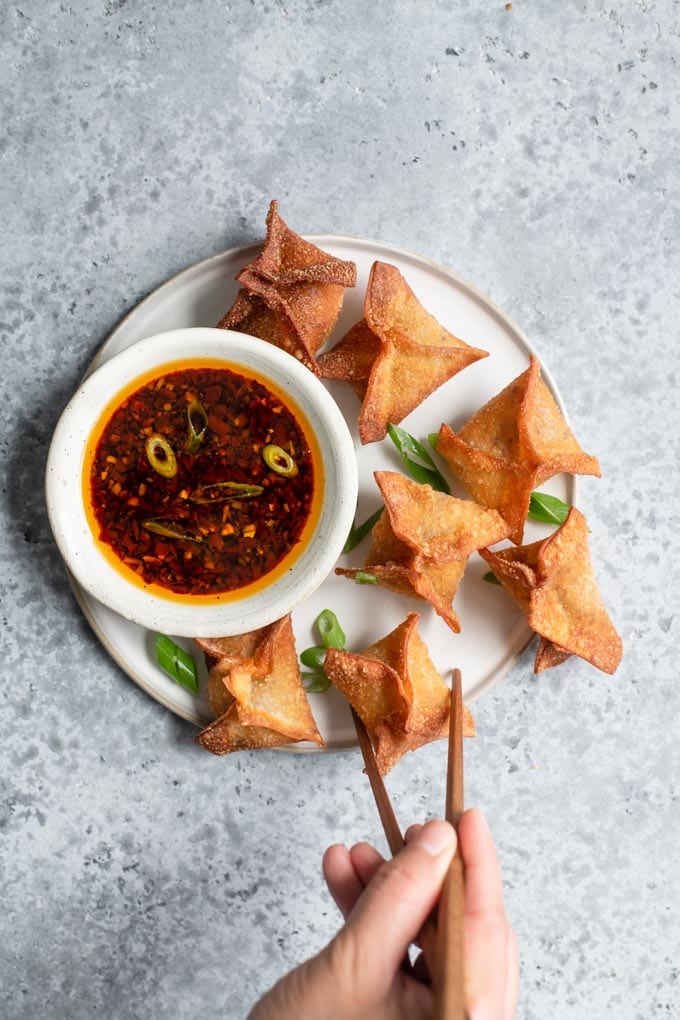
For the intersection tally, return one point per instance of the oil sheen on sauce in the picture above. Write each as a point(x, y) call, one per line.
point(202, 482)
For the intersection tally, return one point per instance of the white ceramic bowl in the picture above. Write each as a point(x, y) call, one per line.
point(64, 490)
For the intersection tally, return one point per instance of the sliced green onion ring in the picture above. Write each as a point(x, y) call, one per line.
point(408, 447)
point(364, 577)
point(330, 630)
point(221, 491)
point(547, 508)
point(359, 531)
point(161, 456)
point(177, 663)
point(316, 683)
point(197, 423)
point(332, 636)
point(279, 460)
point(490, 577)
point(170, 529)
point(313, 657)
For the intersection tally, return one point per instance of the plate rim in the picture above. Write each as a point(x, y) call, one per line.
point(197, 269)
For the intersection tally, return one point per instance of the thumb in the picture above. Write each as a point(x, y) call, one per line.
point(395, 905)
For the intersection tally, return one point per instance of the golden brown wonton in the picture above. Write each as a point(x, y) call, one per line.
point(256, 692)
point(396, 355)
point(291, 293)
point(513, 444)
point(396, 691)
point(422, 542)
point(554, 583)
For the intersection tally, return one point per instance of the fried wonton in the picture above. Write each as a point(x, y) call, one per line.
point(291, 293)
point(396, 356)
point(554, 583)
point(513, 444)
point(396, 691)
point(422, 542)
point(256, 692)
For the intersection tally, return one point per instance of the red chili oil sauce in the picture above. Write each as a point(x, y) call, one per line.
point(215, 539)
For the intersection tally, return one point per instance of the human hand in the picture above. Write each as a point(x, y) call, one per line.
point(385, 905)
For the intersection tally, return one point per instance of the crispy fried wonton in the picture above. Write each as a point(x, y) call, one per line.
point(553, 582)
point(395, 689)
point(256, 692)
point(291, 293)
point(513, 444)
point(422, 542)
point(396, 356)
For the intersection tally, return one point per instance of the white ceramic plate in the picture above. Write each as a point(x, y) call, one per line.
point(494, 630)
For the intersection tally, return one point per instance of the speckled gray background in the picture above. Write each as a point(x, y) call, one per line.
point(535, 151)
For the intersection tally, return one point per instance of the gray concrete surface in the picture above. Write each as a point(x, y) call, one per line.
point(535, 151)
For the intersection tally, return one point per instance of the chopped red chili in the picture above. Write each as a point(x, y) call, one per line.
point(235, 534)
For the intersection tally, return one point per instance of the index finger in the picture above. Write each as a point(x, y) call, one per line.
point(483, 883)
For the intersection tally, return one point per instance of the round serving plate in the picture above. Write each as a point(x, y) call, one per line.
point(494, 629)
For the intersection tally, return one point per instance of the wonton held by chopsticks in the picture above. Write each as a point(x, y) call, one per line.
point(395, 689)
point(396, 355)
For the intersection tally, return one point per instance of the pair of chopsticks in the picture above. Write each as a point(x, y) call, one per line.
point(442, 944)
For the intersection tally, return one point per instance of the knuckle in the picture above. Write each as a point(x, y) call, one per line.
point(401, 874)
point(342, 959)
point(492, 916)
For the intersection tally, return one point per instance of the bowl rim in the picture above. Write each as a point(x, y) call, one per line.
point(63, 488)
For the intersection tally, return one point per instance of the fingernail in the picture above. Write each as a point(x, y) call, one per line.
point(435, 837)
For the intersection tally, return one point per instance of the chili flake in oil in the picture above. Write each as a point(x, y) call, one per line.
point(191, 533)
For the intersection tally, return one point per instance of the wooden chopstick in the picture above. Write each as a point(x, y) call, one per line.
point(395, 840)
point(449, 988)
point(454, 774)
point(442, 946)
point(393, 834)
